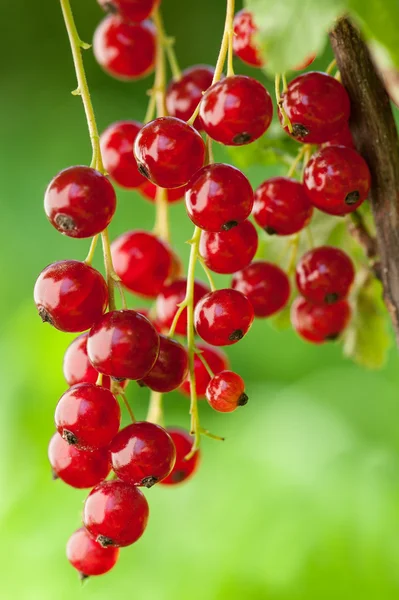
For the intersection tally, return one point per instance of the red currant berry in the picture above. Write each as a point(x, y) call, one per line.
point(169, 152)
point(183, 95)
point(125, 50)
point(337, 180)
point(226, 392)
point(236, 110)
point(229, 251)
point(281, 206)
point(318, 323)
point(142, 454)
point(148, 190)
point(142, 261)
point(342, 138)
point(317, 105)
point(77, 468)
point(70, 295)
point(88, 416)
point(115, 513)
point(117, 153)
point(130, 10)
point(324, 275)
point(223, 317)
point(170, 369)
point(265, 285)
point(76, 366)
point(219, 197)
point(244, 45)
point(87, 556)
point(217, 361)
point(167, 301)
point(123, 344)
point(183, 469)
point(80, 202)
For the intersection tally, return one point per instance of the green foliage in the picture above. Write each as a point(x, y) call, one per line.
point(290, 31)
point(273, 149)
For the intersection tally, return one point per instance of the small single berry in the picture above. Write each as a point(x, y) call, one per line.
point(142, 454)
point(148, 190)
point(123, 344)
point(168, 300)
point(142, 261)
point(183, 469)
point(125, 50)
point(337, 180)
point(88, 416)
point(325, 275)
point(265, 285)
point(223, 317)
point(76, 365)
point(80, 202)
point(77, 468)
point(169, 152)
point(87, 556)
point(226, 392)
point(184, 94)
point(244, 44)
point(318, 323)
point(229, 251)
point(117, 153)
point(115, 513)
point(236, 110)
point(170, 369)
point(317, 105)
point(70, 295)
point(217, 361)
point(219, 197)
point(130, 10)
point(281, 206)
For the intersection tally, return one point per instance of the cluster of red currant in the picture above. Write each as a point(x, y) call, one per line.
point(166, 159)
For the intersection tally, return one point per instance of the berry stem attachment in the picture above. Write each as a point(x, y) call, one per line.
point(286, 121)
point(109, 269)
point(155, 409)
point(331, 67)
point(122, 394)
point(296, 161)
point(92, 249)
point(207, 273)
point(200, 355)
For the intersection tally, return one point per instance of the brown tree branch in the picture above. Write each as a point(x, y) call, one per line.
point(359, 231)
point(374, 131)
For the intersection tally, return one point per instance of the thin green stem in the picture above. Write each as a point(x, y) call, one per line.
point(161, 227)
point(172, 59)
point(284, 80)
point(286, 122)
point(122, 394)
point(294, 253)
point(109, 269)
point(200, 355)
point(296, 161)
point(155, 409)
point(207, 273)
point(150, 114)
point(92, 249)
point(331, 67)
point(160, 67)
point(230, 35)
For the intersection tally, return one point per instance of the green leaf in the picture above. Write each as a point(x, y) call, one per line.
point(367, 339)
point(291, 30)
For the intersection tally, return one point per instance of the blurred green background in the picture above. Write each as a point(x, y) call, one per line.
point(302, 500)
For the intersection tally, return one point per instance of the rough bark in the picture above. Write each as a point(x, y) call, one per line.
point(374, 131)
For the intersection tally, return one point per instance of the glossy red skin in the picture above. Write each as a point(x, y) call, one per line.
point(223, 317)
point(183, 469)
point(115, 513)
point(142, 454)
point(318, 323)
point(130, 10)
point(142, 261)
point(80, 202)
point(342, 138)
point(265, 285)
point(89, 414)
point(183, 96)
point(117, 153)
point(170, 297)
point(325, 275)
point(88, 557)
point(244, 44)
point(125, 50)
point(70, 295)
point(333, 173)
point(219, 197)
point(76, 365)
point(77, 468)
point(226, 392)
point(317, 102)
point(169, 152)
point(236, 110)
point(148, 190)
point(229, 251)
point(217, 361)
point(281, 206)
point(170, 369)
